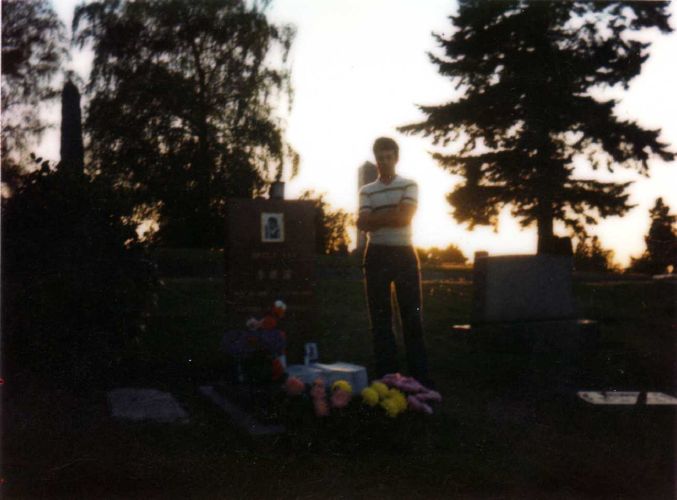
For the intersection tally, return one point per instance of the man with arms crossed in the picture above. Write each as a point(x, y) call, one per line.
point(387, 206)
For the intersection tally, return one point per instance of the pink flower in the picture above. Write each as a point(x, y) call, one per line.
point(418, 405)
point(321, 407)
point(429, 395)
point(391, 379)
point(406, 384)
point(318, 390)
point(319, 395)
point(411, 385)
point(340, 398)
point(294, 386)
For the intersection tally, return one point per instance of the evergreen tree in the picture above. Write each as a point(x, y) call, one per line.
point(182, 106)
point(526, 71)
point(661, 242)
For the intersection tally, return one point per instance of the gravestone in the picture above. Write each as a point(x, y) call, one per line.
point(270, 255)
point(522, 288)
point(523, 307)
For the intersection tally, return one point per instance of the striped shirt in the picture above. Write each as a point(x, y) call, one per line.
point(377, 196)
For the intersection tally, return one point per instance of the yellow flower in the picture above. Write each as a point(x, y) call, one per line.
point(391, 407)
point(380, 388)
point(370, 396)
point(342, 384)
point(399, 399)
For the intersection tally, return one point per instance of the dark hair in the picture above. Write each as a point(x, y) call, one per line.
point(386, 143)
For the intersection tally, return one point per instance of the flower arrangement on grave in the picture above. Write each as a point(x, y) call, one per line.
point(394, 394)
point(389, 413)
point(258, 352)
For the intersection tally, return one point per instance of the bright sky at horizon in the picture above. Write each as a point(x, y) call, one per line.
point(360, 68)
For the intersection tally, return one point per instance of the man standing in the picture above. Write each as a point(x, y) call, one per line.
point(387, 207)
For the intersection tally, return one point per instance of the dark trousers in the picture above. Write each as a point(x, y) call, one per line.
point(384, 265)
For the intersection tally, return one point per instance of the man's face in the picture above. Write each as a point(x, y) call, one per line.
point(386, 159)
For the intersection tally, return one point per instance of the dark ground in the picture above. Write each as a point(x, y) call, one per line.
point(482, 444)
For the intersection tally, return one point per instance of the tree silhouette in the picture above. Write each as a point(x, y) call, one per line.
point(591, 256)
point(661, 242)
point(527, 72)
point(331, 226)
point(77, 284)
point(33, 47)
point(182, 106)
point(452, 254)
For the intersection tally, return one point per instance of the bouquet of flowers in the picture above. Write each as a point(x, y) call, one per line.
point(397, 393)
point(258, 352)
point(394, 393)
point(389, 412)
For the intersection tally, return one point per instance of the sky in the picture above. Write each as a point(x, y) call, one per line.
point(359, 69)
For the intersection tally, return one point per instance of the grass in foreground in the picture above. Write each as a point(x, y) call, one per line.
point(61, 444)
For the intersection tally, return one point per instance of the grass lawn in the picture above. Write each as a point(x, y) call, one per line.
point(480, 445)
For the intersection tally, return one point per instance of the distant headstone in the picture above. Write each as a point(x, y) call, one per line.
point(277, 190)
point(555, 246)
point(365, 174)
point(145, 404)
point(270, 255)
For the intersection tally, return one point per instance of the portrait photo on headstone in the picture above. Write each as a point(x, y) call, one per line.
point(272, 228)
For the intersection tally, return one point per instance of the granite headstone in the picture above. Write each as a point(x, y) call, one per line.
point(270, 255)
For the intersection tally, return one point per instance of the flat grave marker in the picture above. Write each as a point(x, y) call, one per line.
point(626, 398)
point(145, 404)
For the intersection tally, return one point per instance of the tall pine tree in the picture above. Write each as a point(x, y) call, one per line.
point(527, 72)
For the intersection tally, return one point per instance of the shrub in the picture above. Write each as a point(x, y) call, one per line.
point(77, 286)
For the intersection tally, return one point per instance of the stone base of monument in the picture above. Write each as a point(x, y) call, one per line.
point(553, 336)
point(247, 405)
point(534, 356)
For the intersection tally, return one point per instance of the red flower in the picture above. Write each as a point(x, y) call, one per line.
point(268, 322)
point(294, 386)
point(278, 369)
